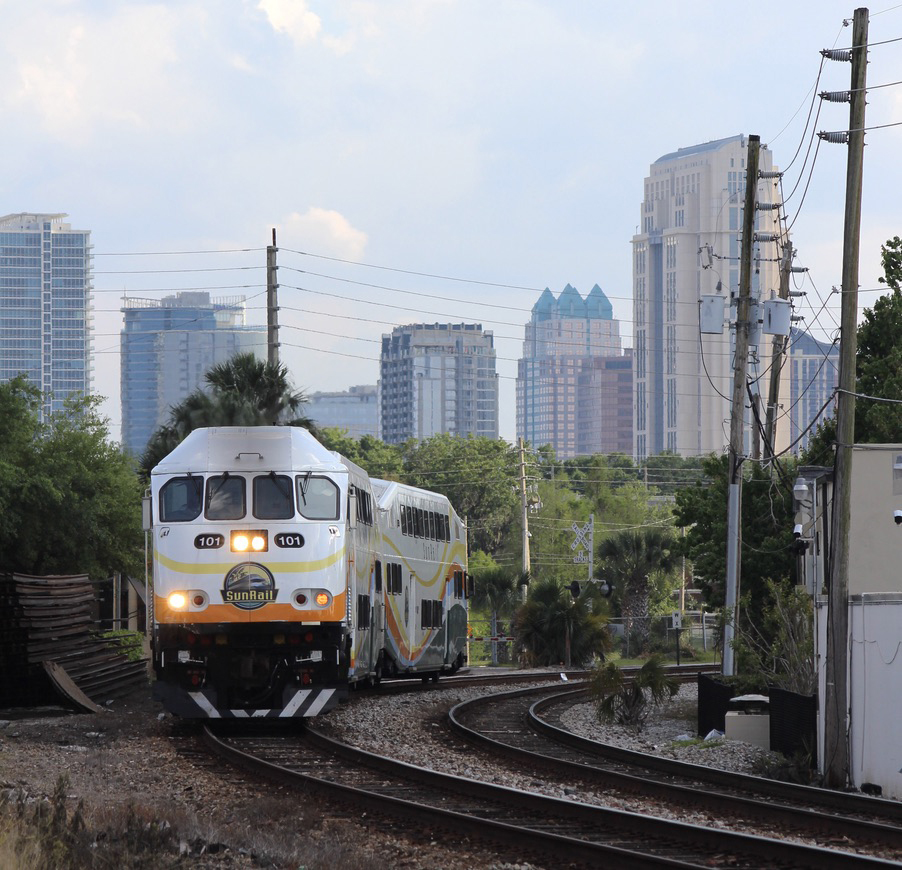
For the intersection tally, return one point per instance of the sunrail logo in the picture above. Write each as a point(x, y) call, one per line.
point(249, 587)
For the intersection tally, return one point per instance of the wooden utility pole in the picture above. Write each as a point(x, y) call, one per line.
point(836, 699)
point(272, 303)
point(524, 509)
point(737, 414)
point(778, 351)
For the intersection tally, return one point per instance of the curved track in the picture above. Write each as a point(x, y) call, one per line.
point(528, 731)
point(533, 827)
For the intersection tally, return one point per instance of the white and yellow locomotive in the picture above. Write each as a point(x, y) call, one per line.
point(269, 598)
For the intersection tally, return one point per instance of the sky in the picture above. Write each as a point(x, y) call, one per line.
point(420, 160)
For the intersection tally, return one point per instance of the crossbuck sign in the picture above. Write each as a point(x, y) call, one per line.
point(583, 543)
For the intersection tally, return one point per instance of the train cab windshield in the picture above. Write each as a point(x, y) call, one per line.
point(225, 497)
point(317, 498)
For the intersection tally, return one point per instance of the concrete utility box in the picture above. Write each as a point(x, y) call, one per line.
point(748, 727)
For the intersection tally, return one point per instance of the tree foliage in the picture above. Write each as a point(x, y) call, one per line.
point(494, 590)
point(479, 476)
point(626, 701)
point(376, 457)
point(781, 646)
point(766, 533)
point(632, 560)
point(71, 501)
point(243, 391)
point(878, 368)
point(550, 620)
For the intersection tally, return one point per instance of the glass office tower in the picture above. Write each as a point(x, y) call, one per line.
point(45, 305)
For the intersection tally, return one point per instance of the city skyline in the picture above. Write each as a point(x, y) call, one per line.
point(503, 144)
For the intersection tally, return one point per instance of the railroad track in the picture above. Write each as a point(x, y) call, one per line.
point(525, 727)
point(529, 826)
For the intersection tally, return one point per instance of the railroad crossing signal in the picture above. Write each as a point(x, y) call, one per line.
point(583, 543)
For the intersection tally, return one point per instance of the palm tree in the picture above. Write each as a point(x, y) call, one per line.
point(554, 629)
point(243, 391)
point(628, 559)
point(494, 589)
point(264, 386)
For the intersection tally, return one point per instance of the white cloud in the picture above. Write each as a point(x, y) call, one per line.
point(293, 18)
point(77, 75)
point(324, 231)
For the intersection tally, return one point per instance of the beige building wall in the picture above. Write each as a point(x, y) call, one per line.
point(687, 246)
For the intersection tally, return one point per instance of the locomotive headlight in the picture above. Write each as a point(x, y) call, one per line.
point(249, 539)
point(177, 600)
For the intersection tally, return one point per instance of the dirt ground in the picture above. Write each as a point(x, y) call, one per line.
point(147, 787)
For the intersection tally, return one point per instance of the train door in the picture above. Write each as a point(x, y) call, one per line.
point(377, 629)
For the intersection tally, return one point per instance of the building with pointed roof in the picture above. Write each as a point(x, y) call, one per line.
point(574, 381)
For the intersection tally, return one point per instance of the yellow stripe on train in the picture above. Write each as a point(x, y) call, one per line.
point(225, 567)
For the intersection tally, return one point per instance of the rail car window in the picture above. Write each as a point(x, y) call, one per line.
point(458, 584)
point(317, 497)
point(225, 497)
point(431, 613)
point(181, 499)
point(421, 523)
point(272, 497)
point(432, 533)
point(393, 578)
point(363, 611)
point(378, 574)
point(364, 507)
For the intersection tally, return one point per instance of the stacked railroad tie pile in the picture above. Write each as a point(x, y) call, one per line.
point(50, 620)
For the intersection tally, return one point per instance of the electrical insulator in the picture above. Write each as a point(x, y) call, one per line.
point(766, 237)
point(798, 268)
point(836, 96)
point(768, 206)
point(771, 173)
point(844, 54)
point(838, 138)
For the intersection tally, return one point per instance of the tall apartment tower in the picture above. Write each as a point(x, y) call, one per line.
point(688, 246)
point(45, 305)
point(814, 374)
point(574, 381)
point(168, 345)
point(438, 377)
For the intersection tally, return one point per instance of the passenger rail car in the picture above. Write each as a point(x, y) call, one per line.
point(424, 549)
point(269, 598)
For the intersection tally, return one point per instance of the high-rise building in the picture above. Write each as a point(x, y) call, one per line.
point(168, 345)
point(814, 374)
point(438, 377)
point(574, 382)
point(45, 305)
point(356, 410)
point(687, 247)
